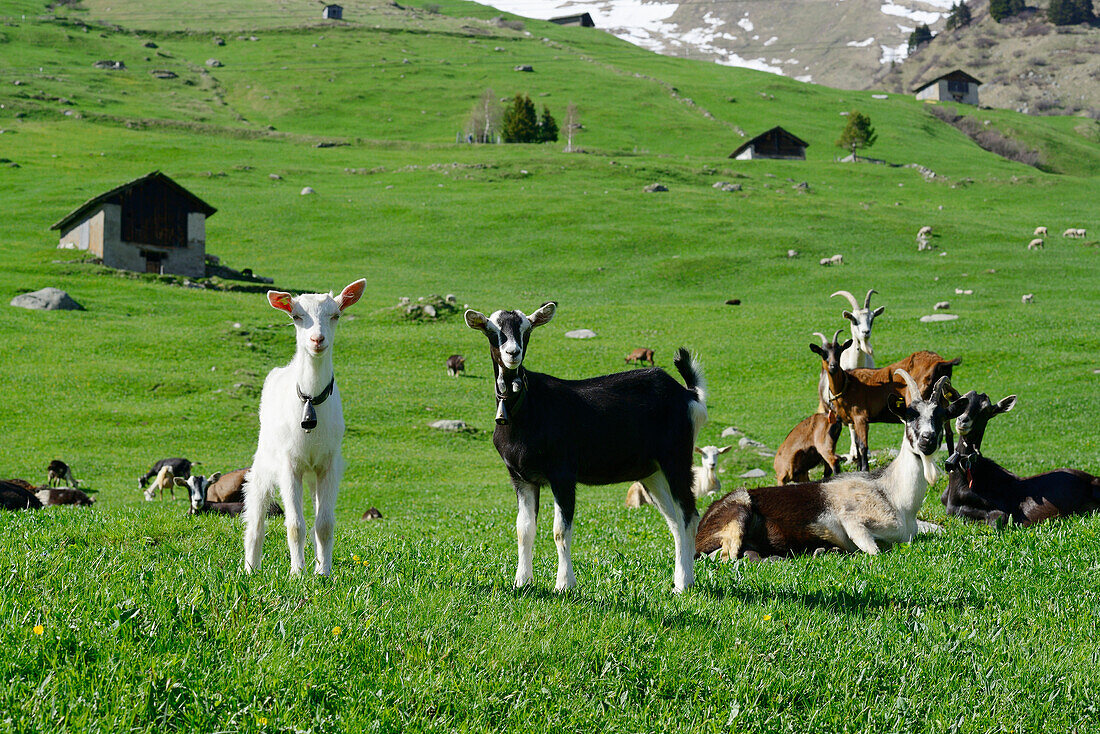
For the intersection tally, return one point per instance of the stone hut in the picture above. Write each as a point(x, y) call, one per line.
point(955, 86)
point(150, 225)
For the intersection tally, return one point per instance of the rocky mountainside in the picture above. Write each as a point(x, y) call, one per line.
point(1025, 63)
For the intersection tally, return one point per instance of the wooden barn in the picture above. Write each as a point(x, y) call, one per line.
point(150, 225)
point(584, 20)
point(333, 12)
point(775, 143)
point(955, 86)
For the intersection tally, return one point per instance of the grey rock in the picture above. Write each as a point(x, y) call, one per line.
point(580, 334)
point(523, 67)
point(108, 64)
point(792, 253)
point(214, 63)
point(275, 177)
point(754, 474)
point(163, 74)
point(47, 299)
point(942, 306)
point(454, 426)
point(732, 431)
point(726, 186)
point(655, 187)
point(939, 317)
point(308, 190)
point(747, 442)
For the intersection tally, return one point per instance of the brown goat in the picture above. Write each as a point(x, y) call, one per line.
point(227, 487)
point(640, 355)
point(456, 363)
point(811, 442)
point(860, 396)
point(63, 496)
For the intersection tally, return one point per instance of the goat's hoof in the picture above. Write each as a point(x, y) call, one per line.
point(997, 519)
point(751, 556)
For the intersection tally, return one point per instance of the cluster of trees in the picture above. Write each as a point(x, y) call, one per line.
point(959, 17)
point(1070, 12)
point(517, 122)
point(921, 35)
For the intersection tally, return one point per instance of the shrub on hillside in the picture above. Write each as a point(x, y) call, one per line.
point(1001, 9)
point(959, 17)
point(521, 122)
point(857, 134)
point(1070, 12)
point(548, 127)
point(920, 36)
point(988, 138)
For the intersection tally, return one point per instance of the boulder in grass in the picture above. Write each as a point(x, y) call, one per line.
point(939, 317)
point(308, 190)
point(47, 299)
point(580, 334)
point(754, 474)
point(654, 188)
point(453, 426)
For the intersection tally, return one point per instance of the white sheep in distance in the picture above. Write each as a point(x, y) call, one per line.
point(301, 428)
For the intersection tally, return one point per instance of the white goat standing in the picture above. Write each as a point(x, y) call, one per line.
point(301, 427)
point(706, 476)
point(860, 354)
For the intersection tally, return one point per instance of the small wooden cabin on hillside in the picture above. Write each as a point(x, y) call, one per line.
point(955, 86)
point(150, 225)
point(333, 12)
point(775, 143)
point(583, 19)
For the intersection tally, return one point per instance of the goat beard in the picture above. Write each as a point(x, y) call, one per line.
point(930, 472)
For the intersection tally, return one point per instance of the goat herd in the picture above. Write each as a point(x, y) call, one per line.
point(636, 426)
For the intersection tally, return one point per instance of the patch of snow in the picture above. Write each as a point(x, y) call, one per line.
point(894, 53)
point(771, 40)
point(862, 44)
point(759, 64)
point(804, 78)
point(920, 16)
point(745, 23)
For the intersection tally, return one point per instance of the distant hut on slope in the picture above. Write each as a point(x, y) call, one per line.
point(954, 86)
point(149, 225)
point(333, 12)
point(775, 143)
point(583, 19)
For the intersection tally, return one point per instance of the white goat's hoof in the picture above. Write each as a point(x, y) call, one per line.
point(565, 584)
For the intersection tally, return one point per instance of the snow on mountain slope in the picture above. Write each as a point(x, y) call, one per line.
point(841, 43)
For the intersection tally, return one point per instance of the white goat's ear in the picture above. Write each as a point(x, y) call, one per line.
point(180, 482)
point(698, 450)
point(476, 320)
point(544, 314)
point(280, 300)
point(351, 294)
point(724, 449)
point(1006, 404)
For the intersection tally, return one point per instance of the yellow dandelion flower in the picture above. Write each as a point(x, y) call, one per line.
point(767, 617)
point(261, 720)
point(38, 629)
point(337, 630)
point(354, 557)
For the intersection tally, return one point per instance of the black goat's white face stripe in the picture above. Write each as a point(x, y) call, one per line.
point(511, 329)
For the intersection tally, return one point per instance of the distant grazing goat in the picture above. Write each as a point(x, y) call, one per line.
point(640, 355)
point(15, 497)
point(636, 425)
point(706, 476)
point(199, 489)
point(301, 428)
point(1075, 233)
point(63, 496)
point(180, 468)
point(860, 396)
point(811, 442)
point(1035, 244)
point(853, 511)
point(456, 363)
point(980, 489)
point(57, 472)
point(163, 481)
point(1040, 231)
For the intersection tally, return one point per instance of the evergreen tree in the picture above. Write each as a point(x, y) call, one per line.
point(920, 36)
point(858, 133)
point(521, 121)
point(959, 17)
point(548, 127)
point(1001, 9)
point(1070, 12)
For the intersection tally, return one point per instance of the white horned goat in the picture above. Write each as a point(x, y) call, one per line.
point(859, 354)
point(638, 425)
point(854, 512)
point(301, 428)
point(706, 476)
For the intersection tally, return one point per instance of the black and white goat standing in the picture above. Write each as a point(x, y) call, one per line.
point(638, 425)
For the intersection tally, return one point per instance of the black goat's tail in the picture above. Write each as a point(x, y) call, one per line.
point(692, 372)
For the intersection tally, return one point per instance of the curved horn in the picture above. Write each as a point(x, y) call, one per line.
point(941, 385)
point(824, 342)
point(914, 391)
point(867, 302)
point(850, 297)
point(836, 334)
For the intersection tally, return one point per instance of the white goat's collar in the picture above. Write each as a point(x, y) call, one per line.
point(309, 415)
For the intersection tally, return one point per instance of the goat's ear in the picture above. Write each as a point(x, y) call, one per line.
point(848, 315)
point(897, 404)
point(544, 314)
point(957, 407)
point(878, 311)
point(1006, 404)
point(830, 417)
point(215, 477)
point(724, 449)
point(280, 300)
point(817, 350)
point(180, 482)
point(476, 320)
point(698, 450)
point(351, 293)
point(845, 345)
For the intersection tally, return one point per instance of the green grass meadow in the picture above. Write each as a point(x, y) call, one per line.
point(132, 616)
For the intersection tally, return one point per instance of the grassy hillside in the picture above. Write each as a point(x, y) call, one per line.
point(147, 622)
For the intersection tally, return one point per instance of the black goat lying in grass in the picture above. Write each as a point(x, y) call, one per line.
point(980, 489)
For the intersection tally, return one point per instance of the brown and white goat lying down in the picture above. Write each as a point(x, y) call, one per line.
point(854, 511)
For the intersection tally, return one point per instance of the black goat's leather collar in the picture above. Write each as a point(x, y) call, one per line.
point(309, 415)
